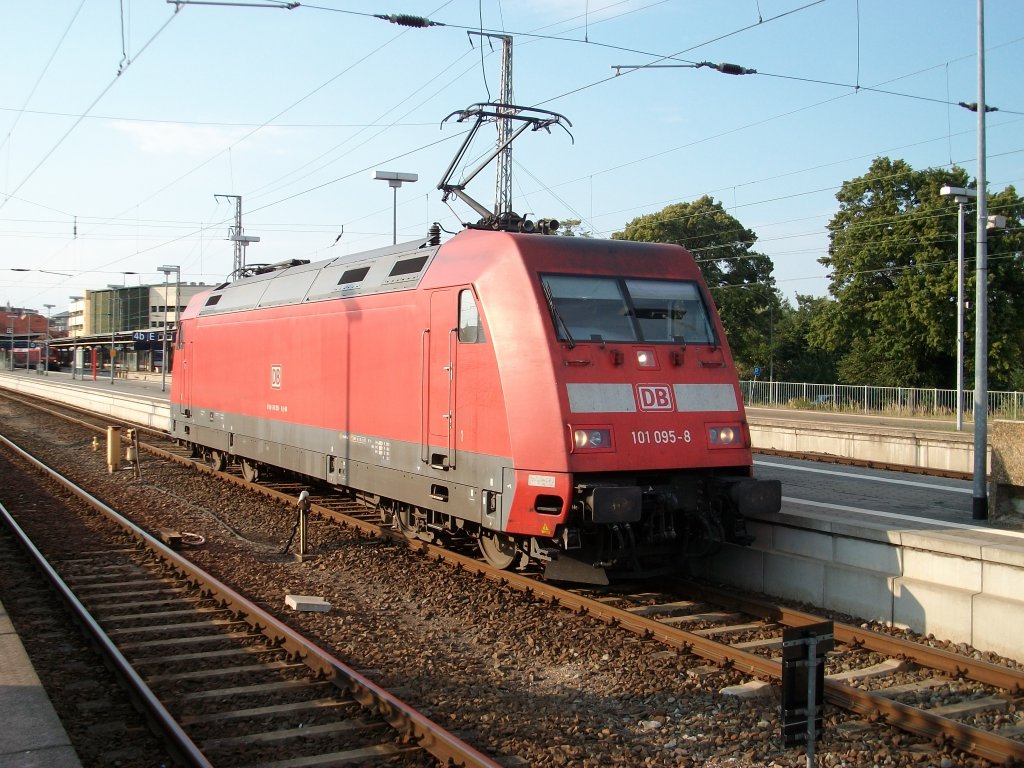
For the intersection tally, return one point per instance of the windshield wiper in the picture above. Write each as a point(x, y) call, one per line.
point(558, 317)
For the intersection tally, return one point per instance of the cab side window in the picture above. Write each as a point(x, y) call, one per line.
point(471, 330)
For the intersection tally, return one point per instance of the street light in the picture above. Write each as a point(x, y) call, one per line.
point(167, 269)
point(46, 354)
point(961, 195)
point(394, 180)
point(979, 490)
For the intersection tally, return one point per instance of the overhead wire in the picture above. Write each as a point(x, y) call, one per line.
point(204, 123)
point(260, 127)
point(194, 232)
point(42, 74)
point(320, 186)
point(384, 126)
point(81, 117)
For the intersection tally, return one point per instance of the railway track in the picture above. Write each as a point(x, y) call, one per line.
point(874, 674)
point(945, 697)
point(223, 681)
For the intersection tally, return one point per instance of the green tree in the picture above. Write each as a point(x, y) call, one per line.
point(892, 257)
point(573, 228)
point(796, 359)
point(893, 263)
point(740, 279)
point(1005, 292)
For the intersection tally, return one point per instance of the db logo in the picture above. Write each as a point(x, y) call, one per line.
point(654, 397)
point(275, 377)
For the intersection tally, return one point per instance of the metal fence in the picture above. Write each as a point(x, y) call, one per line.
point(900, 401)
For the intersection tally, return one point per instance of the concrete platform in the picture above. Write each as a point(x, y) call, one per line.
point(32, 735)
point(141, 401)
point(957, 582)
point(886, 442)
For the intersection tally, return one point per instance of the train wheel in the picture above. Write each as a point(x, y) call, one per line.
point(498, 549)
point(216, 461)
point(250, 471)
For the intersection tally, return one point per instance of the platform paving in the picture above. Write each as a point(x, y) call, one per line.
point(32, 735)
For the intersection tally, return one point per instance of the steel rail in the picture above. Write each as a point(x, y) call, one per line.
point(408, 722)
point(1011, 680)
point(968, 738)
point(164, 724)
point(976, 741)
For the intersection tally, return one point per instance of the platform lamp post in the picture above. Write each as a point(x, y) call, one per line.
point(46, 344)
point(394, 180)
point(167, 269)
point(74, 354)
point(113, 294)
point(961, 195)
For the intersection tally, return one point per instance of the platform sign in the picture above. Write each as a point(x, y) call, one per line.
point(803, 682)
point(147, 339)
point(757, 371)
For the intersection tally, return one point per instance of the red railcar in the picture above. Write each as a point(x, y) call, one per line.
point(564, 400)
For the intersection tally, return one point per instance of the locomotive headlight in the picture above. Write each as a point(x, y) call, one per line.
point(725, 436)
point(645, 358)
point(592, 438)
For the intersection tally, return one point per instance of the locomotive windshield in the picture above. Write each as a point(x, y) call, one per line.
point(624, 310)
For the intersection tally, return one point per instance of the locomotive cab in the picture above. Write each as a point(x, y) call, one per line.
point(628, 436)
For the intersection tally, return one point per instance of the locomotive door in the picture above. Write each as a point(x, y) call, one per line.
point(185, 364)
point(439, 381)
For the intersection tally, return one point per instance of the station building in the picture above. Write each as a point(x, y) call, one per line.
point(128, 320)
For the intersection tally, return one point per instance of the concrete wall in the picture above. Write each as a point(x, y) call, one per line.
point(139, 409)
point(948, 451)
point(960, 584)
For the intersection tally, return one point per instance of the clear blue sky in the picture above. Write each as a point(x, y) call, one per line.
point(294, 109)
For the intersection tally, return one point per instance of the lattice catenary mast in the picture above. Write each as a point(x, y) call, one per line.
point(237, 235)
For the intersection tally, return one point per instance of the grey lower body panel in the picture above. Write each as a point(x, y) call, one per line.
point(393, 469)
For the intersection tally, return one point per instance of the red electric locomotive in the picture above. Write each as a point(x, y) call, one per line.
point(566, 401)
